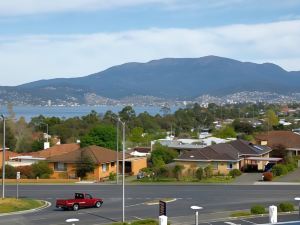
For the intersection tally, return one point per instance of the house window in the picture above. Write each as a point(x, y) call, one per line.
point(229, 166)
point(104, 167)
point(60, 166)
point(112, 164)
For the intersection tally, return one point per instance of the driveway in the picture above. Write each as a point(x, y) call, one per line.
point(291, 177)
point(248, 178)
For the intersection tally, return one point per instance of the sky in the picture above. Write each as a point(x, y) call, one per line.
point(44, 39)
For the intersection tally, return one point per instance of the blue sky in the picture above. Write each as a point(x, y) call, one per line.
point(42, 39)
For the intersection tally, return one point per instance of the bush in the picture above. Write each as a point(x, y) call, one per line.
point(235, 173)
point(26, 172)
point(112, 176)
point(286, 207)
point(208, 171)
point(290, 167)
point(199, 173)
point(41, 170)
point(10, 172)
point(268, 176)
point(258, 209)
point(145, 222)
point(177, 171)
point(279, 170)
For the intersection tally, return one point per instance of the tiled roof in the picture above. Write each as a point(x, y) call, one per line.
point(225, 152)
point(97, 154)
point(288, 139)
point(55, 150)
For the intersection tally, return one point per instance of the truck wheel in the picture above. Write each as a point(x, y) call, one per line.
point(75, 207)
point(98, 204)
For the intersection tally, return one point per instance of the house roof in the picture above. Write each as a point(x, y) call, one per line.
point(224, 152)
point(142, 149)
point(97, 154)
point(9, 154)
point(55, 150)
point(288, 139)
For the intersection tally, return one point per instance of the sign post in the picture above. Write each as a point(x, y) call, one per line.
point(163, 219)
point(18, 178)
point(162, 208)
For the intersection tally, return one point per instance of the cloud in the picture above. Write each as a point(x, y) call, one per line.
point(29, 58)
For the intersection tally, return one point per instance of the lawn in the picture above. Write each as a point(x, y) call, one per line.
point(214, 179)
point(8, 205)
point(139, 222)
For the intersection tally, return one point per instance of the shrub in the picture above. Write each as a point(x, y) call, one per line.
point(268, 176)
point(279, 170)
point(286, 207)
point(41, 170)
point(290, 167)
point(112, 176)
point(208, 171)
point(199, 173)
point(177, 171)
point(235, 173)
point(26, 172)
point(258, 209)
point(10, 172)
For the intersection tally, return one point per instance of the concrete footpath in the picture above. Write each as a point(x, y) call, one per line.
point(224, 218)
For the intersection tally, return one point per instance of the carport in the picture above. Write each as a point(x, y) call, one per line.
point(260, 162)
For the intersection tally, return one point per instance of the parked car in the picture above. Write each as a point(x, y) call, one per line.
point(140, 175)
point(81, 200)
point(268, 167)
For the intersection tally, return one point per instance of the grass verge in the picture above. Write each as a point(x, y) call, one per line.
point(240, 214)
point(139, 222)
point(9, 205)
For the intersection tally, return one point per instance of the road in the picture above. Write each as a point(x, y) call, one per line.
point(213, 198)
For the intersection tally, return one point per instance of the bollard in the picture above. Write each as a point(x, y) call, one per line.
point(163, 220)
point(273, 214)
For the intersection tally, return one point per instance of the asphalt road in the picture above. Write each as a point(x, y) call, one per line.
point(213, 198)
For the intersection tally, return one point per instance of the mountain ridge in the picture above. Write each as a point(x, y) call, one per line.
point(170, 78)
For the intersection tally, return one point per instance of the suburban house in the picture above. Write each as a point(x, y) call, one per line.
point(23, 160)
point(8, 154)
point(64, 165)
point(288, 140)
point(141, 151)
point(224, 157)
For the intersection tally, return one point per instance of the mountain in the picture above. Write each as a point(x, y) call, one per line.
point(170, 78)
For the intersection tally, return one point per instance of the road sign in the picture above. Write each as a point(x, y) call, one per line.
point(162, 208)
point(18, 175)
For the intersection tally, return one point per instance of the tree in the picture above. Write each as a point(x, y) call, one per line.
point(10, 172)
point(102, 135)
point(226, 132)
point(127, 114)
point(84, 166)
point(136, 135)
point(41, 169)
point(271, 118)
point(163, 153)
point(208, 171)
point(177, 170)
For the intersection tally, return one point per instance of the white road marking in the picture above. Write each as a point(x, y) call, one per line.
point(134, 205)
point(247, 221)
point(230, 223)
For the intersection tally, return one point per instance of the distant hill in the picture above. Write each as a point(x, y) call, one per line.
point(170, 78)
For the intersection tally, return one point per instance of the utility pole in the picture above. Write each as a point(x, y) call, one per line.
point(3, 159)
point(117, 172)
point(123, 171)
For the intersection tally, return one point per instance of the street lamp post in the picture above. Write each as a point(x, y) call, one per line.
point(3, 159)
point(123, 170)
point(298, 199)
point(117, 172)
point(196, 209)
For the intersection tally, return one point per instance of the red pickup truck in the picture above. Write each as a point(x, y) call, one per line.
point(81, 200)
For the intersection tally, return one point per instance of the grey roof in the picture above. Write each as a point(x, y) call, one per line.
point(232, 151)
